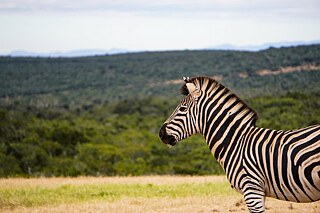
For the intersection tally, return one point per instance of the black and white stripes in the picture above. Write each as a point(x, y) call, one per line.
point(258, 162)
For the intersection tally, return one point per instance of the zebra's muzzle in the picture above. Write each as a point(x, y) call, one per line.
point(166, 139)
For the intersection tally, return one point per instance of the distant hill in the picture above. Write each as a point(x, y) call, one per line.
point(69, 54)
point(262, 46)
point(97, 79)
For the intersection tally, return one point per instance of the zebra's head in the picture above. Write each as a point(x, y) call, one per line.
point(183, 121)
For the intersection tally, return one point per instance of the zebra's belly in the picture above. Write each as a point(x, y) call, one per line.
point(297, 198)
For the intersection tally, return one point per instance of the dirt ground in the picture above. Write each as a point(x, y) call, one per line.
point(165, 205)
point(189, 204)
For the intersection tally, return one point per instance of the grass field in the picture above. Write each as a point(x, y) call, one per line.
point(130, 194)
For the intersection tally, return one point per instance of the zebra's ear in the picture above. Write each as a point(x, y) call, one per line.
point(186, 79)
point(193, 90)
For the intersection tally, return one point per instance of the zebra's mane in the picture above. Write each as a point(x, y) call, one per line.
point(212, 83)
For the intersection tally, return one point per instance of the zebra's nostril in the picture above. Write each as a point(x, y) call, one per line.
point(160, 134)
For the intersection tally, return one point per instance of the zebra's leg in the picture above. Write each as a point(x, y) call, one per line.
point(254, 197)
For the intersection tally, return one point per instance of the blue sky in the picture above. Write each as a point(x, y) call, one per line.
point(65, 25)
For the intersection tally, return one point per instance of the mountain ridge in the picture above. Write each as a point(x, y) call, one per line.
point(101, 52)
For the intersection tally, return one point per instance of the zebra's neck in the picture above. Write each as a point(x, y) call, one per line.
point(224, 120)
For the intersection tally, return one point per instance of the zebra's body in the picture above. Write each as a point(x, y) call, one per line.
point(258, 162)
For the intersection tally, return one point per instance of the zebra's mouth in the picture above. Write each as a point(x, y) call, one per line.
point(169, 140)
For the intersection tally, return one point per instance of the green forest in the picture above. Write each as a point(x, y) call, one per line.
point(101, 115)
point(93, 80)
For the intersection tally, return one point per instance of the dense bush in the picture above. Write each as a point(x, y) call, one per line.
point(122, 138)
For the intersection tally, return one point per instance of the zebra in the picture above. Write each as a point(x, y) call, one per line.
point(258, 162)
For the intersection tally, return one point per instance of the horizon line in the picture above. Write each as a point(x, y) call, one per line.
point(85, 52)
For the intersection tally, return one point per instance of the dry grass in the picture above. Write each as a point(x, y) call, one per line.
point(12, 183)
point(192, 202)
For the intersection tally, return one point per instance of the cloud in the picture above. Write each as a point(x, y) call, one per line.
point(307, 8)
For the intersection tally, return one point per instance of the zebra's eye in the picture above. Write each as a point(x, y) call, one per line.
point(183, 109)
